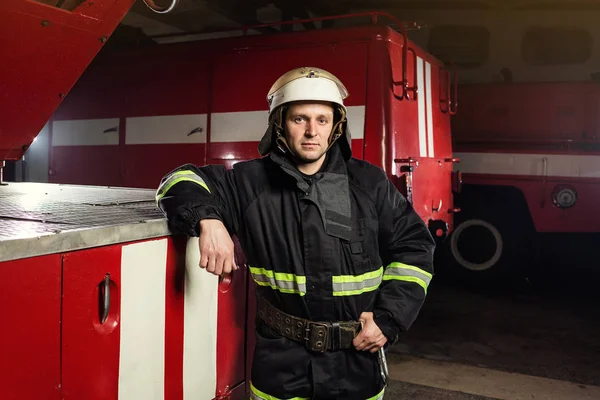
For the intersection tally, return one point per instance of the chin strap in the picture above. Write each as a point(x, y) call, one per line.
point(338, 128)
point(282, 144)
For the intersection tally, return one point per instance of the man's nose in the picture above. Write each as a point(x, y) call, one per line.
point(311, 128)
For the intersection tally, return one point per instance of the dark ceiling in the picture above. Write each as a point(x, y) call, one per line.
point(199, 16)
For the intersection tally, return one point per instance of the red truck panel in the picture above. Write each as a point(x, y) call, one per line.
point(30, 334)
point(231, 325)
point(535, 137)
point(45, 50)
point(528, 117)
point(148, 300)
point(90, 350)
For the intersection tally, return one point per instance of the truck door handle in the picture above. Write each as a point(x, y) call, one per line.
point(106, 298)
point(195, 130)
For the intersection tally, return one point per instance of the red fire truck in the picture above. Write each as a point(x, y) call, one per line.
point(530, 166)
point(102, 301)
point(206, 104)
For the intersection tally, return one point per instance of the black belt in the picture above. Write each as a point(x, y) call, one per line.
point(316, 336)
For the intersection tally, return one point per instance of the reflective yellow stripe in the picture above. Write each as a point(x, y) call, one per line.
point(378, 396)
point(256, 394)
point(407, 273)
point(284, 282)
point(351, 285)
point(175, 178)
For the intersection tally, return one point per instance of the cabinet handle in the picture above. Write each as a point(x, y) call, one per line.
point(195, 130)
point(106, 297)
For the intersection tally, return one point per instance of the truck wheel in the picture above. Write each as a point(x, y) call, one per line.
point(481, 250)
point(476, 245)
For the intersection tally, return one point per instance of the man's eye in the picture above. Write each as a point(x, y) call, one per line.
point(323, 121)
point(298, 120)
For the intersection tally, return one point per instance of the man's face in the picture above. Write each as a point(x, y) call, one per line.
point(308, 126)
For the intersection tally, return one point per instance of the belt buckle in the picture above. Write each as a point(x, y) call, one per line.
point(315, 336)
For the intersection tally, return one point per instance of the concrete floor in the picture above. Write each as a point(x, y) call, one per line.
point(405, 391)
point(508, 342)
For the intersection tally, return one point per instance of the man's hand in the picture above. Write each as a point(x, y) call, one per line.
point(370, 337)
point(216, 248)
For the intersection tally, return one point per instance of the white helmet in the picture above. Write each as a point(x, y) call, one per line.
point(304, 84)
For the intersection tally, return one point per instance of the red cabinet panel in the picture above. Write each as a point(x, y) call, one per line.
point(85, 165)
point(145, 165)
point(90, 366)
point(231, 326)
point(30, 334)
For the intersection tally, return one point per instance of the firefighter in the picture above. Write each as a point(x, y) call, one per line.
point(341, 260)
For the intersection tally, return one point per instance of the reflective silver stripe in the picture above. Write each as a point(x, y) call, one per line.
point(407, 273)
point(285, 283)
point(175, 178)
point(349, 285)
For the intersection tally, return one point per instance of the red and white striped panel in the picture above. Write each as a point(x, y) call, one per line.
point(425, 109)
point(167, 129)
point(226, 127)
point(84, 152)
point(86, 132)
point(142, 349)
point(160, 339)
point(250, 126)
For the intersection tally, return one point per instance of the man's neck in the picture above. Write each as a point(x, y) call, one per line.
point(311, 168)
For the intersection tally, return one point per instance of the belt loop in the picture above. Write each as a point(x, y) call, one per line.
point(336, 336)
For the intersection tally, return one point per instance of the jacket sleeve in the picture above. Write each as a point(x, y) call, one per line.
point(189, 194)
point(406, 248)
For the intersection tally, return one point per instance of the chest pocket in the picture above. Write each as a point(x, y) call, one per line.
point(356, 252)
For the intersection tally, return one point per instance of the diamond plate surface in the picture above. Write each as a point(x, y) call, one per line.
point(30, 209)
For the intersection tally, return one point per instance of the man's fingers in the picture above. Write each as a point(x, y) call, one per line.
point(365, 345)
point(219, 261)
point(373, 347)
point(216, 247)
point(370, 346)
point(362, 341)
point(203, 259)
point(358, 339)
point(211, 264)
point(227, 265)
point(367, 341)
point(361, 346)
point(370, 337)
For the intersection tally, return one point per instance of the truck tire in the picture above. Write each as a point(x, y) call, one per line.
point(488, 245)
point(473, 257)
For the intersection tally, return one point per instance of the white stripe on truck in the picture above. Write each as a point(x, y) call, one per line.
point(564, 165)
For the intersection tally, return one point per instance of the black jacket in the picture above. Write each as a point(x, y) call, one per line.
point(325, 247)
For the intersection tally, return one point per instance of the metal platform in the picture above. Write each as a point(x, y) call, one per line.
point(39, 218)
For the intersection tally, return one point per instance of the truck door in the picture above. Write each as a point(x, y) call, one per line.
point(422, 140)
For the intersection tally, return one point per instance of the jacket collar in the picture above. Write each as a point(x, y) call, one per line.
point(328, 189)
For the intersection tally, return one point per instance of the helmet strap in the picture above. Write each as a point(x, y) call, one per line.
point(282, 143)
point(338, 128)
